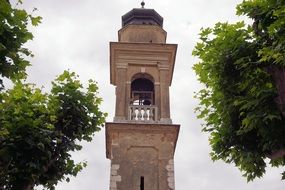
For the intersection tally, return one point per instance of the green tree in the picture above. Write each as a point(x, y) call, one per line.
point(243, 100)
point(13, 35)
point(38, 131)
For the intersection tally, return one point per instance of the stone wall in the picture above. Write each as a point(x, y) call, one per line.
point(141, 151)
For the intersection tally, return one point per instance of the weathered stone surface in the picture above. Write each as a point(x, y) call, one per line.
point(142, 150)
point(142, 33)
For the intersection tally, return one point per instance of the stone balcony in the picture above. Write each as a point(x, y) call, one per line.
point(143, 113)
point(147, 114)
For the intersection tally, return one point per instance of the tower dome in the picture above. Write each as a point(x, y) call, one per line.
point(142, 25)
point(142, 16)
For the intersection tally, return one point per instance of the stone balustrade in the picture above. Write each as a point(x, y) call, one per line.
point(142, 113)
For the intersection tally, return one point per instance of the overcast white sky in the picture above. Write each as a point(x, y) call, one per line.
point(75, 35)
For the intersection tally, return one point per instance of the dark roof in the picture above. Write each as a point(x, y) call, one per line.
point(142, 16)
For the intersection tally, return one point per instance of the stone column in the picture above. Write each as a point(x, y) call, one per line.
point(128, 98)
point(120, 112)
point(157, 99)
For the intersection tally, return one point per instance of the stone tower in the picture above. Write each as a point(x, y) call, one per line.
point(141, 140)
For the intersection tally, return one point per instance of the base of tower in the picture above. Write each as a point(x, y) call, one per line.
point(141, 155)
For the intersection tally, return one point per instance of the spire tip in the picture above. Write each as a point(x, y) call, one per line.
point(143, 4)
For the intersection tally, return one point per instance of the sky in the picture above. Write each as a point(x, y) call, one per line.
point(75, 35)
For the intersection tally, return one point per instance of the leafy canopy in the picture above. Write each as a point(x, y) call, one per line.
point(13, 35)
point(242, 103)
point(38, 131)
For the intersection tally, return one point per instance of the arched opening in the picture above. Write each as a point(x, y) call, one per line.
point(142, 104)
point(142, 92)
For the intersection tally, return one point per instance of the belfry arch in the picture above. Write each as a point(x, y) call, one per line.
point(142, 90)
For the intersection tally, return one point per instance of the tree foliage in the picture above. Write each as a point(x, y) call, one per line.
point(14, 34)
point(243, 102)
point(39, 130)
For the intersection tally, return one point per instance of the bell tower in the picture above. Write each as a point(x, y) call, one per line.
point(141, 140)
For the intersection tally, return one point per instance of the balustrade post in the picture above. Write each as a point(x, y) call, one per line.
point(151, 114)
point(145, 114)
point(139, 113)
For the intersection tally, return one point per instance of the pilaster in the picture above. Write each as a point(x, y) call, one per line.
point(164, 93)
point(120, 112)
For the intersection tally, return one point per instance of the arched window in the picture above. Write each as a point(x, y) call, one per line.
point(142, 91)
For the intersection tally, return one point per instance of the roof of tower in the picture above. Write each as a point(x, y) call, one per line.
point(142, 16)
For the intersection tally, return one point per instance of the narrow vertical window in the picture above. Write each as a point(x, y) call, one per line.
point(142, 183)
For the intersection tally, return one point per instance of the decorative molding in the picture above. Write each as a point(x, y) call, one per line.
point(170, 130)
point(163, 66)
point(121, 66)
point(142, 54)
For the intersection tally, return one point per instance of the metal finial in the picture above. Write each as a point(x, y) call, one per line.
point(142, 4)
